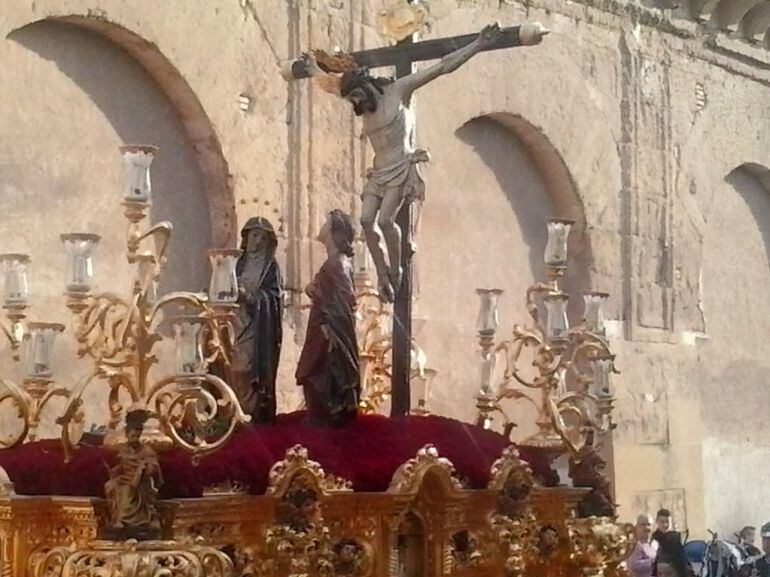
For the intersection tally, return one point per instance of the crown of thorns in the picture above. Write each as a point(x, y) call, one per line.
point(352, 79)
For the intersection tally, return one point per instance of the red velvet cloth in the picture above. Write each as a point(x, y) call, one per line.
point(366, 452)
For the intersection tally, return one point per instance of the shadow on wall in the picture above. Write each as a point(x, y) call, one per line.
point(499, 140)
point(752, 182)
point(134, 105)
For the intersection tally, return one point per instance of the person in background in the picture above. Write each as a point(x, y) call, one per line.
point(642, 558)
point(746, 544)
point(671, 556)
point(761, 566)
point(662, 524)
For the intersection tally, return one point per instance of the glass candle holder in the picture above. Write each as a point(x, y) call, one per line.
point(556, 247)
point(594, 311)
point(189, 358)
point(39, 355)
point(137, 159)
point(15, 290)
point(488, 319)
point(422, 386)
point(223, 288)
point(80, 270)
point(602, 377)
point(556, 315)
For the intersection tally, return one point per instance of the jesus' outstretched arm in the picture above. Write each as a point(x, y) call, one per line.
point(449, 63)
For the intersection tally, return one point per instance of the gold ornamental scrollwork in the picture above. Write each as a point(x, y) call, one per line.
point(409, 476)
point(299, 542)
point(599, 545)
point(132, 559)
point(295, 463)
point(513, 524)
point(190, 408)
point(508, 467)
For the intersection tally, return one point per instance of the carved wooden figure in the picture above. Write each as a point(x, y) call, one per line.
point(132, 490)
point(328, 368)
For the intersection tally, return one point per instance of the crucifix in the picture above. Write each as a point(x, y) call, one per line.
point(394, 184)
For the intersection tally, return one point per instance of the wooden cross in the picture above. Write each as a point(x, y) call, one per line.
point(403, 56)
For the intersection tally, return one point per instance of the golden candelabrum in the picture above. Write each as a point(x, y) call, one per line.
point(190, 407)
point(373, 327)
point(570, 367)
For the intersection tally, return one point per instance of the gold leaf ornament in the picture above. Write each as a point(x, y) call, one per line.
point(402, 20)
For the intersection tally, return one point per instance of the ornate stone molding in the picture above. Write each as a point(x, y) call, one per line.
point(131, 559)
point(296, 462)
point(409, 476)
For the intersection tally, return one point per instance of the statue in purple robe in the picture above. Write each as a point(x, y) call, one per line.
point(328, 369)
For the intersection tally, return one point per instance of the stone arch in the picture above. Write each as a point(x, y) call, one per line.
point(756, 22)
point(193, 118)
point(559, 183)
point(729, 13)
point(517, 92)
point(733, 361)
point(551, 177)
point(513, 105)
point(499, 180)
point(737, 233)
point(702, 163)
point(60, 167)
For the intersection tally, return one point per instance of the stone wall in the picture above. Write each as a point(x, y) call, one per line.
point(648, 128)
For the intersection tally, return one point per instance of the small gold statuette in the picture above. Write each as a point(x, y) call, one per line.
point(132, 490)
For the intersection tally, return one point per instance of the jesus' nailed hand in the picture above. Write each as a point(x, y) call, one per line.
point(394, 178)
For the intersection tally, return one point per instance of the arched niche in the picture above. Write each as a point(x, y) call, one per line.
point(491, 190)
point(733, 361)
point(93, 85)
point(74, 89)
point(736, 261)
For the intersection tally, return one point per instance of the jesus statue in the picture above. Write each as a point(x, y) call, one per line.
point(394, 178)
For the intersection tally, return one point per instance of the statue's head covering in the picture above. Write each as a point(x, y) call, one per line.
point(268, 249)
point(257, 222)
point(260, 223)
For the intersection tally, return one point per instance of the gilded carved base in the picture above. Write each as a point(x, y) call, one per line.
point(309, 524)
point(131, 559)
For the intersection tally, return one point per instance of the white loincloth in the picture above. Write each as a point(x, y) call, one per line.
point(404, 175)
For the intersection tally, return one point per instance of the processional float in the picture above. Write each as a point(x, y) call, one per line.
point(179, 483)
